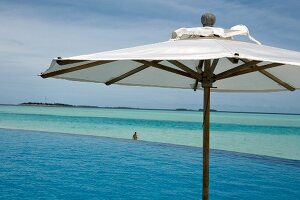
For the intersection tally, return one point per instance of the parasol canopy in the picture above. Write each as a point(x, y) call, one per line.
point(206, 55)
point(176, 64)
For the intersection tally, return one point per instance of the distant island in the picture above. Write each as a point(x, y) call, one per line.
point(177, 109)
point(120, 107)
point(184, 109)
point(54, 104)
point(44, 104)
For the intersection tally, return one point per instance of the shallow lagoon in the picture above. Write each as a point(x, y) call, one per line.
point(261, 134)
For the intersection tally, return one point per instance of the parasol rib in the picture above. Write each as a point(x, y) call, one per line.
point(274, 78)
point(185, 68)
point(229, 72)
point(252, 69)
point(207, 65)
point(165, 68)
point(67, 62)
point(277, 80)
point(212, 68)
point(196, 84)
point(127, 74)
point(199, 67)
point(199, 70)
point(76, 68)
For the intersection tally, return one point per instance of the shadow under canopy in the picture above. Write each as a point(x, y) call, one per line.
point(205, 58)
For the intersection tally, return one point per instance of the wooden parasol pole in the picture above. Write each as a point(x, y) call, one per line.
point(207, 19)
point(206, 112)
point(206, 84)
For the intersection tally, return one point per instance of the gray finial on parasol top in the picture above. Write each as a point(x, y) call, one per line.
point(208, 19)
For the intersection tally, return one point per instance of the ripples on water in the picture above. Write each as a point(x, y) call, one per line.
point(39, 165)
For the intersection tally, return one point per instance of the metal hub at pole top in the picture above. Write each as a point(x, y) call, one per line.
point(208, 19)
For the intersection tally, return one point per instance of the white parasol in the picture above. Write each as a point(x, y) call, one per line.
point(205, 58)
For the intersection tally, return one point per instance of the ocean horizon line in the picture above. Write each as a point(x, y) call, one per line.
point(140, 108)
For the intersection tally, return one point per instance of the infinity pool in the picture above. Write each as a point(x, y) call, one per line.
point(41, 165)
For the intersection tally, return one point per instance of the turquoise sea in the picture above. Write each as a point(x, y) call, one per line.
point(87, 153)
point(275, 135)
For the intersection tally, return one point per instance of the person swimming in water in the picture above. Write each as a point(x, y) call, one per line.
point(135, 136)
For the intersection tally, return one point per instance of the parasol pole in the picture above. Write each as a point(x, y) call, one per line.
point(206, 84)
point(209, 20)
point(206, 112)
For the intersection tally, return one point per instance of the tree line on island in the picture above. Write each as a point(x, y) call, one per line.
point(83, 106)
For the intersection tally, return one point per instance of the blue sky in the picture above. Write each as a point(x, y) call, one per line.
point(35, 31)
